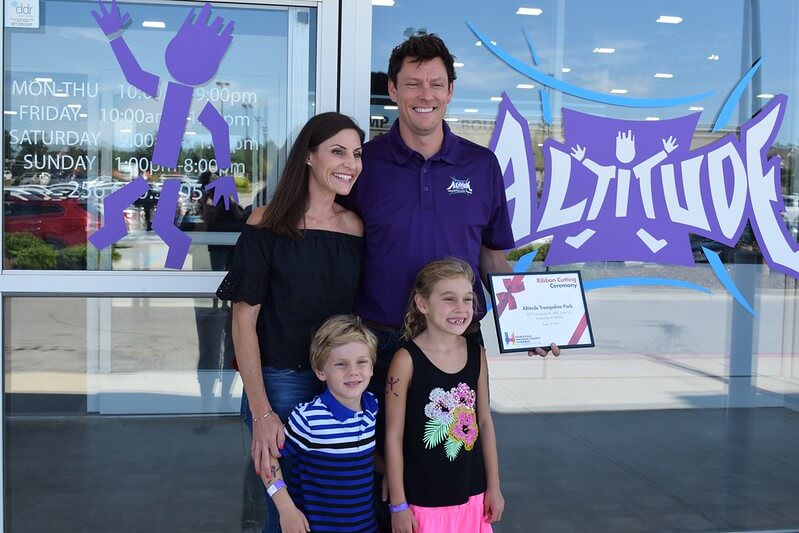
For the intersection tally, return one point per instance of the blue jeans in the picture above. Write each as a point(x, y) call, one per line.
point(285, 388)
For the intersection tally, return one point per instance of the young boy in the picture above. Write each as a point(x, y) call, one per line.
point(331, 439)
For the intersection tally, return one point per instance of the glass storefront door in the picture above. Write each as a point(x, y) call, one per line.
point(93, 336)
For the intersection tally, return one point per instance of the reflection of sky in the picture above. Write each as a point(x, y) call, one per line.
point(643, 48)
point(70, 42)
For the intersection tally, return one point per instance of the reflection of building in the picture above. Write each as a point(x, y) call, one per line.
point(682, 418)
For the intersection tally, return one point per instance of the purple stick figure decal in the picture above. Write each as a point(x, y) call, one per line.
point(114, 204)
point(164, 225)
point(224, 188)
point(192, 57)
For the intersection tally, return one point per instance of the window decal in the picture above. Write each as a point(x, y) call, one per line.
point(192, 57)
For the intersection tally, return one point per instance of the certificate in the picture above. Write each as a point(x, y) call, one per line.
point(534, 309)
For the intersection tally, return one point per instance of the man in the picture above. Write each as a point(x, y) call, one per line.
point(424, 194)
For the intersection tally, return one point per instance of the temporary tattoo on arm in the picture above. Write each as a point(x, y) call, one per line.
point(273, 478)
point(391, 382)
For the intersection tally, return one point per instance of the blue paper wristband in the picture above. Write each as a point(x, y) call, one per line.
point(276, 486)
point(399, 508)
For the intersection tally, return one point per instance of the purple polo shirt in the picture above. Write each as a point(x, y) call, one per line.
point(415, 211)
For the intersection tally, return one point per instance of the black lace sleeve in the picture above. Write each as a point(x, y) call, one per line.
point(247, 279)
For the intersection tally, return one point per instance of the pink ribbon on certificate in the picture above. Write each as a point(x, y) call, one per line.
point(578, 332)
point(506, 299)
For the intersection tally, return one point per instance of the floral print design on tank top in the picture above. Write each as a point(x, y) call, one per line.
point(452, 420)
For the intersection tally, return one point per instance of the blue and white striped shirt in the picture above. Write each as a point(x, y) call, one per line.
point(332, 452)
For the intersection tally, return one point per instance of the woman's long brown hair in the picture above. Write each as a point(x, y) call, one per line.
point(287, 208)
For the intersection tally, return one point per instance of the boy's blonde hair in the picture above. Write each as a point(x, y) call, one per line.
point(448, 268)
point(337, 331)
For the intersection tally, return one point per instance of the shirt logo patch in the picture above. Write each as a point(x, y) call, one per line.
point(459, 186)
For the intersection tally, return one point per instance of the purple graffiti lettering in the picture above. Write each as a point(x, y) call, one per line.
point(621, 190)
point(765, 204)
point(114, 227)
point(224, 188)
point(164, 225)
point(598, 192)
point(513, 147)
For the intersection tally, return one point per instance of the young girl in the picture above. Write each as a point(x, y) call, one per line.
point(441, 454)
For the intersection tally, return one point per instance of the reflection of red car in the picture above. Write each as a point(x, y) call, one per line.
point(59, 222)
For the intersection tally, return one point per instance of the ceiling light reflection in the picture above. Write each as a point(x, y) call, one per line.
point(534, 11)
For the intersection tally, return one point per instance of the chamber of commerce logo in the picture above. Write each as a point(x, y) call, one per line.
point(510, 338)
point(459, 186)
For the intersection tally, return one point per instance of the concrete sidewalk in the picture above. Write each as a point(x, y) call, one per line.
point(636, 471)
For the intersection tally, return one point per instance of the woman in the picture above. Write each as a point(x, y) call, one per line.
point(296, 263)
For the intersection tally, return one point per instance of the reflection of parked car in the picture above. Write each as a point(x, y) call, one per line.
point(791, 202)
point(34, 178)
point(746, 243)
point(62, 222)
point(791, 214)
point(697, 243)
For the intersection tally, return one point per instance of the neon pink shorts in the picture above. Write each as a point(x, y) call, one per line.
point(465, 518)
